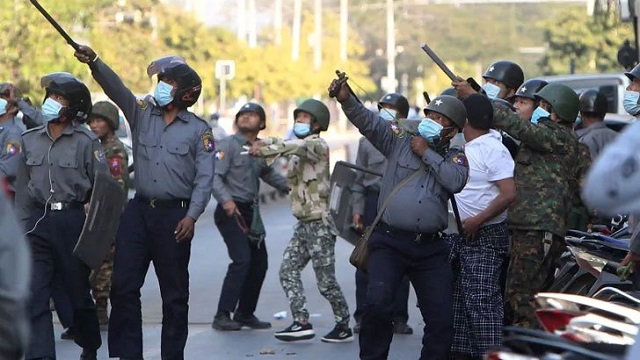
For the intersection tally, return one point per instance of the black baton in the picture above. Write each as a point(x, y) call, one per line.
point(445, 68)
point(55, 24)
point(358, 168)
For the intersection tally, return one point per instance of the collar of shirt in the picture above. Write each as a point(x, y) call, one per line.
point(492, 134)
point(183, 115)
point(67, 131)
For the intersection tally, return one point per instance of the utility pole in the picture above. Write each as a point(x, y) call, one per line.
point(344, 26)
point(277, 19)
point(317, 54)
point(242, 20)
point(391, 48)
point(297, 20)
point(252, 19)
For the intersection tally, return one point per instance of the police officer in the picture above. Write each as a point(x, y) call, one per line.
point(503, 78)
point(525, 102)
point(407, 239)
point(14, 287)
point(366, 190)
point(218, 131)
point(545, 170)
point(173, 152)
point(9, 138)
point(236, 189)
point(595, 134)
point(104, 122)
point(54, 182)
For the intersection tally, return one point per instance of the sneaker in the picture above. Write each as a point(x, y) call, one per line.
point(251, 321)
point(223, 322)
point(88, 355)
point(339, 334)
point(402, 328)
point(296, 331)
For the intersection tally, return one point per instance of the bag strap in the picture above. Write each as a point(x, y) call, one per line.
point(388, 199)
point(456, 214)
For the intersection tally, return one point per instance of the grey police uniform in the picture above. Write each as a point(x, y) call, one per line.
point(174, 167)
point(31, 112)
point(54, 181)
point(237, 178)
point(369, 157)
point(407, 240)
point(596, 137)
point(9, 150)
point(15, 271)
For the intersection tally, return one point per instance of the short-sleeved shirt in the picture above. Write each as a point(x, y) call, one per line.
point(489, 161)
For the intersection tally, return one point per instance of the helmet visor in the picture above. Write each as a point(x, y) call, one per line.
point(163, 64)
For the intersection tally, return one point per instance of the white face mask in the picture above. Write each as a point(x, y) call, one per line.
point(3, 106)
point(491, 90)
point(51, 110)
point(388, 114)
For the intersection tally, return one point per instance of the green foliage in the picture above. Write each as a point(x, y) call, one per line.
point(592, 43)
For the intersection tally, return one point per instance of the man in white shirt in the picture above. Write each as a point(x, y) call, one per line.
point(479, 254)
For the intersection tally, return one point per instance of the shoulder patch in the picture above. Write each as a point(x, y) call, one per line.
point(99, 154)
point(219, 155)
point(207, 141)
point(13, 147)
point(141, 103)
point(460, 159)
point(398, 129)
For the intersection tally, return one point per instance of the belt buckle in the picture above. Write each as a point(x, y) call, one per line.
point(55, 206)
point(152, 203)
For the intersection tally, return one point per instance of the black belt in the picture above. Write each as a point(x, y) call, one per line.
point(404, 234)
point(158, 203)
point(57, 205)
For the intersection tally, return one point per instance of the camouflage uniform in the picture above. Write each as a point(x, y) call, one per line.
point(314, 235)
point(538, 217)
point(579, 217)
point(118, 160)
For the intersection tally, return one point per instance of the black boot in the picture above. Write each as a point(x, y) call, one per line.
point(89, 355)
point(222, 321)
point(251, 321)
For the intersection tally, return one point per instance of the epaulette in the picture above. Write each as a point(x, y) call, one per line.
point(83, 130)
point(39, 127)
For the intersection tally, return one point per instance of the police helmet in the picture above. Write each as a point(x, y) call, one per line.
point(397, 101)
point(634, 73)
point(506, 72)
point(529, 88)
point(449, 106)
point(451, 91)
point(563, 100)
point(254, 108)
point(73, 90)
point(176, 68)
point(108, 112)
point(592, 101)
point(317, 109)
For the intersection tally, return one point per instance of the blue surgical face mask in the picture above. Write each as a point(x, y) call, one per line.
point(630, 102)
point(51, 110)
point(388, 114)
point(301, 130)
point(3, 106)
point(430, 130)
point(162, 94)
point(538, 114)
point(491, 90)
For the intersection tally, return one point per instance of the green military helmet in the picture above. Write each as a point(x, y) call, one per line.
point(449, 106)
point(108, 112)
point(318, 111)
point(563, 100)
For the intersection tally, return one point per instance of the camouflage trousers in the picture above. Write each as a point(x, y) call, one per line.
point(312, 241)
point(530, 271)
point(102, 281)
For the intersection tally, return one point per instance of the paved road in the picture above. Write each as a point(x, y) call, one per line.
point(208, 265)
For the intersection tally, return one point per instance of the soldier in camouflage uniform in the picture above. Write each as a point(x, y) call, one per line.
point(314, 235)
point(546, 167)
point(104, 122)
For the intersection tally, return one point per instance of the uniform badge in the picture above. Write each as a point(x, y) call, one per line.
point(141, 103)
point(460, 159)
point(115, 166)
point(398, 130)
point(99, 154)
point(207, 141)
point(12, 148)
point(219, 155)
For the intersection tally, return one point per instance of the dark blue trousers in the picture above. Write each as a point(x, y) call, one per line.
point(430, 274)
point(245, 275)
point(147, 234)
point(62, 303)
point(52, 243)
point(400, 311)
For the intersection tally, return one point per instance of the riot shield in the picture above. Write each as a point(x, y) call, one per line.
point(342, 179)
point(101, 224)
